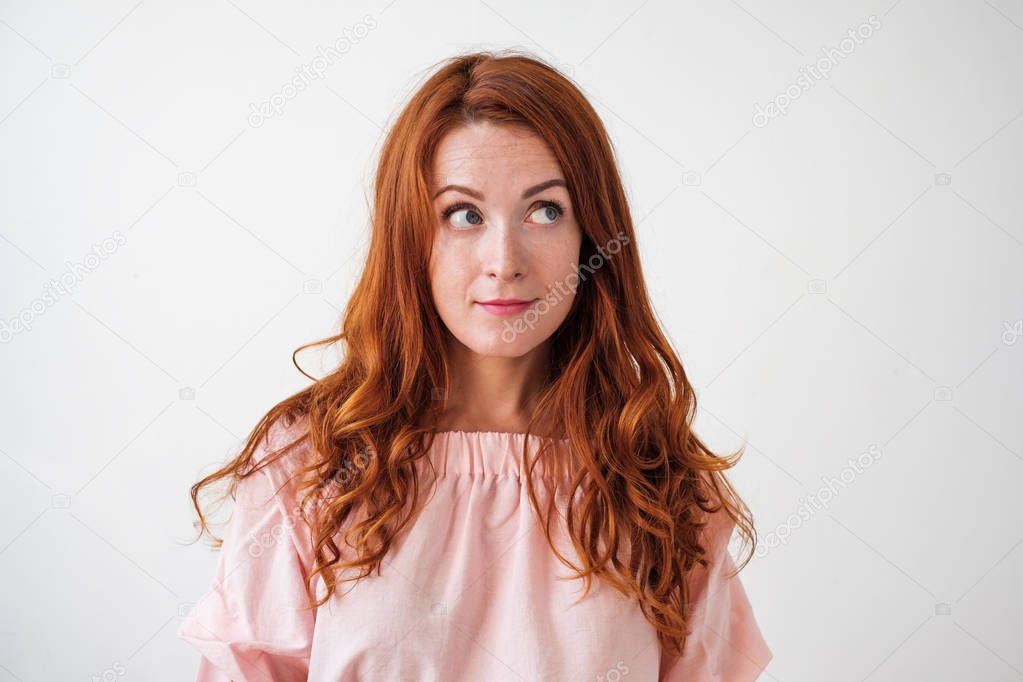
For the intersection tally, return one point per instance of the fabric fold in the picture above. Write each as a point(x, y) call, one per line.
point(254, 622)
point(471, 590)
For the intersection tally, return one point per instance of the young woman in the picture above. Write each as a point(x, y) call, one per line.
point(500, 481)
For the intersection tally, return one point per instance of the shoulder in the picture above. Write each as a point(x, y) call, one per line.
point(277, 467)
point(718, 531)
point(284, 433)
point(718, 526)
point(270, 495)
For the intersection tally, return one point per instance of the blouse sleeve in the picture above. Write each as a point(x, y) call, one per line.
point(725, 644)
point(251, 625)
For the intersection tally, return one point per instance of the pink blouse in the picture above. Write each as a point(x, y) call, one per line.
point(471, 592)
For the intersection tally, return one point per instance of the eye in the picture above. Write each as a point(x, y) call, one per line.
point(470, 219)
point(548, 212)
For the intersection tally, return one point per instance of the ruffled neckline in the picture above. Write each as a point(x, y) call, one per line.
point(493, 453)
point(506, 434)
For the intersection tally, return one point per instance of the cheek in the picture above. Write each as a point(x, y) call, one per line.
point(448, 276)
point(559, 261)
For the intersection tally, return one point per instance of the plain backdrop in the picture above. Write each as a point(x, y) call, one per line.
point(842, 279)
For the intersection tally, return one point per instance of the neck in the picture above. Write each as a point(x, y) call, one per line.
point(489, 393)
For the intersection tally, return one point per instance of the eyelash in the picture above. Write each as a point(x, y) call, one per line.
point(461, 204)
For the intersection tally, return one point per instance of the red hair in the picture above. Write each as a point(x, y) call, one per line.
point(617, 390)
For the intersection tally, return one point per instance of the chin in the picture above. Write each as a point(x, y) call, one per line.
point(493, 345)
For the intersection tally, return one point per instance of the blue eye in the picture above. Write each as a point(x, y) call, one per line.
point(550, 211)
point(471, 215)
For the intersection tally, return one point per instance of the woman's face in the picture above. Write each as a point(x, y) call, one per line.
point(506, 230)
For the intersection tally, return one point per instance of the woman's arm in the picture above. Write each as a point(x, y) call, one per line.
point(726, 644)
point(251, 625)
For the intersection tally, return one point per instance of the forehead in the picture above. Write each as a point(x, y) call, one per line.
point(486, 153)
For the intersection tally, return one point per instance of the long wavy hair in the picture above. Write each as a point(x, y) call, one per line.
point(643, 480)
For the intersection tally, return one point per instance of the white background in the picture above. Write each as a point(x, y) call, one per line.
point(843, 280)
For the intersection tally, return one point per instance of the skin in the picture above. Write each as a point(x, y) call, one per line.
point(499, 245)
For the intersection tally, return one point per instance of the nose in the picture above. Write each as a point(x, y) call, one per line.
point(504, 257)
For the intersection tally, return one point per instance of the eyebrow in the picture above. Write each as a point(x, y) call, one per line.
point(530, 191)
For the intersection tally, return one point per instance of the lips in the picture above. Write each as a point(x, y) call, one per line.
point(507, 301)
point(505, 306)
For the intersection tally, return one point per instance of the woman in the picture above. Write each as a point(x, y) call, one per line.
point(507, 408)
